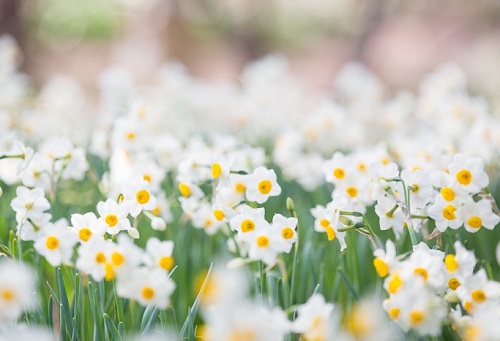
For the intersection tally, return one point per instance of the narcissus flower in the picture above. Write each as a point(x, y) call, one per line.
point(385, 261)
point(477, 289)
point(390, 214)
point(477, 214)
point(93, 258)
point(137, 196)
point(261, 184)
point(56, 244)
point(86, 226)
point(444, 214)
point(248, 220)
point(113, 216)
point(159, 254)
point(286, 228)
point(469, 172)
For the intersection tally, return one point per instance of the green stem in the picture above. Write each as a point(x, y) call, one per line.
point(16, 156)
point(291, 208)
point(416, 216)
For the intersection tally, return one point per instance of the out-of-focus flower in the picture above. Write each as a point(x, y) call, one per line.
point(29, 203)
point(148, 287)
point(315, 319)
point(17, 291)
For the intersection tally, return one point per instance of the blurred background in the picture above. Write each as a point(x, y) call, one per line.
point(399, 40)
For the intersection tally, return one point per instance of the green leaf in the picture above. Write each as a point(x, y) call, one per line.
point(110, 326)
point(96, 314)
point(193, 311)
point(148, 319)
point(65, 311)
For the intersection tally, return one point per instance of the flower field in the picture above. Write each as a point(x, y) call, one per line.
point(182, 209)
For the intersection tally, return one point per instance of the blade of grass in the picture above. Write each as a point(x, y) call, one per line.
point(192, 312)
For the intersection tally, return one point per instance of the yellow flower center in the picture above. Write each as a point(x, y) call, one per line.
point(111, 220)
point(381, 267)
point(142, 196)
point(422, 272)
point(242, 335)
point(148, 293)
point(147, 177)
point(117, 258)
point(240, 188)
point(416, 317)
point(449, 212)
point(394, 313)
point(85, 234)
point(352, 191)
point(338, 173)
point(475, 222)
point(100, 258)
point(361, 167)
point(166, 262)
point(394, 284)
point(450, 262)
point(447, 193)
point(219, 215)
point(216, 170)
point(184, 189)
point(472, 333)
point(265, 186)
point(478, 296)
point(52, 243)
point(262, 241)
point(8, 295)
point(360, 325)
point(415, 188)
point(287, 233)
point(247, 225)
point(453, 283)
point(468, 306)
point(131, 136)
point(464, 177)
point(324, 222)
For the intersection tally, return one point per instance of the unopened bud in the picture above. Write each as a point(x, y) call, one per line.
point(158, 224)
point(290, 205)
point(134, 233)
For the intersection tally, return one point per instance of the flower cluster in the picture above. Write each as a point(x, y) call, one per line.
point(229, 314)
point(235, 182)
point(430, 287)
